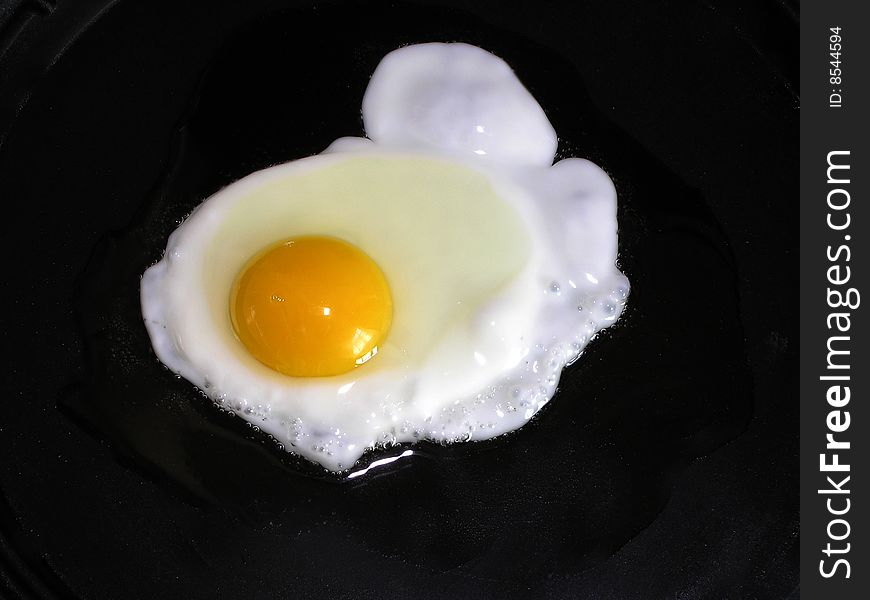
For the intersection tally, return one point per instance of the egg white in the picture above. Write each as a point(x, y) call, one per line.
point(501, 266)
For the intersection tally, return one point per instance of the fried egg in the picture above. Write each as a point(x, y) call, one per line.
point(428, 282)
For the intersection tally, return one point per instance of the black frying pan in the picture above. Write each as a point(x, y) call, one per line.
point(665, 467)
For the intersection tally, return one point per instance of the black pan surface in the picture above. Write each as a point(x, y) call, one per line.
point(666, 465)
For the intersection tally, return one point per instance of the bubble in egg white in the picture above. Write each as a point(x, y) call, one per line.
point(457, 112)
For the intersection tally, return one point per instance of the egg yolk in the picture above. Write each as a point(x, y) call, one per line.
point(311, 306)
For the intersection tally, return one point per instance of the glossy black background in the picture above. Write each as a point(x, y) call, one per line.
point(665, 467)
